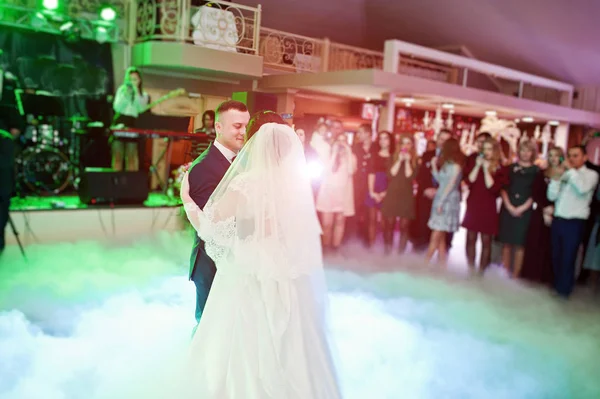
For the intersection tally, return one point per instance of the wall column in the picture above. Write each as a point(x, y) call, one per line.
point(388, 112)
point(286, 103)
point(561, 136)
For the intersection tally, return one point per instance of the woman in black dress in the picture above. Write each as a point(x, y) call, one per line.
point(537, 263)
point(378, 180)
point(399, 201)
point(516, 210)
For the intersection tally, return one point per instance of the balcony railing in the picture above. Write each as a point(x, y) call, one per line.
point(288, 52)
point(469, 72)
point(343, 57)
point(220, 25)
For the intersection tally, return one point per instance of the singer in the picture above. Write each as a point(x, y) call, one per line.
point(130, 101)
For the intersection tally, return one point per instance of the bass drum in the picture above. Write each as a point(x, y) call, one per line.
point(44, 170)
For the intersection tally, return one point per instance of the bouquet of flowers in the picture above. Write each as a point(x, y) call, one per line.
point(178, 176)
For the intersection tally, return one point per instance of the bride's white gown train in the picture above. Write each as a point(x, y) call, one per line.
point(263, 331)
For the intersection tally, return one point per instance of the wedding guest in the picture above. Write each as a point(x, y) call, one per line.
point(485, 179)
point(363, 151)
point(399, 201)
point(572, 192)
point(378, 181)
point(445, 209)
point(335, 199)
point(516, 208)
point(592, 255)
point(591, 148)
point(427, 186)
point(537, 262)
point(470, 161)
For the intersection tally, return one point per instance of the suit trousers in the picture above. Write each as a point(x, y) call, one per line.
point(567, 235)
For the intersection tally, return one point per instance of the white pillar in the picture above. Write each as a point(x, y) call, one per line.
point(391, 57)
point(386, 118)
point(561, 136)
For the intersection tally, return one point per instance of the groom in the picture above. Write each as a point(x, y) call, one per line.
point(231, 119)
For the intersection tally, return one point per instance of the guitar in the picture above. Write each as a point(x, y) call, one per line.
point(172, 94)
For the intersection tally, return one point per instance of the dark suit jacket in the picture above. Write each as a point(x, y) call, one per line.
point(205, 174)
point(424, 177)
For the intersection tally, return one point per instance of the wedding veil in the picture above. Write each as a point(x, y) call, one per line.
point(261, 217)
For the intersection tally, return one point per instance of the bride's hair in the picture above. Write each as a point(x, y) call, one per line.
point(261, 118)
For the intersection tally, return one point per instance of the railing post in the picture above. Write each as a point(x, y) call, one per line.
point(391, 57)
point(325, 55)
point(131, 27)
point(257, 22)
point(521, 86)
point(465, 77)
point(186, 7)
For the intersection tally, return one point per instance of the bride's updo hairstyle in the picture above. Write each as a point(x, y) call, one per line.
point(259, 119)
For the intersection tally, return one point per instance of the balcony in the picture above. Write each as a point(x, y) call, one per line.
point(217, 39)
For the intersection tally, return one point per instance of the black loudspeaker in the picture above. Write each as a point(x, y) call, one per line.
point(102, 186)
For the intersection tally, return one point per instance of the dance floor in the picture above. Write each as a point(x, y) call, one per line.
point(96, 320)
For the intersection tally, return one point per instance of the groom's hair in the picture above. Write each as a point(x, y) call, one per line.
point(228, 106)
point(260, 118)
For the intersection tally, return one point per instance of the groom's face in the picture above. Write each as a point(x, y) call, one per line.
point(231, 128)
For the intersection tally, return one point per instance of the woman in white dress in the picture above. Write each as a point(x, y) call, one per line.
point(262, 334)
point(335, 198)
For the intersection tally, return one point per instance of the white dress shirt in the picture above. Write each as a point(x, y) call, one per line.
point(227, 153)
point(573, 193)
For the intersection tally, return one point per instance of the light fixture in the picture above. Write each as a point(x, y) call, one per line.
point(108, 13)
point(101, 34)
point(66, 26)
point(408, 100)
point(490, 113)
point(527, 119)
point(50, 4)
point(517, 120)
point(39, 20)
point(448, 106)
point(554, 123)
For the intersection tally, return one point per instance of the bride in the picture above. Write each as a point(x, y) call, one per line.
point(262, 334)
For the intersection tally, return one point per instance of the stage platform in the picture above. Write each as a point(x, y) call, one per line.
point(41, 220)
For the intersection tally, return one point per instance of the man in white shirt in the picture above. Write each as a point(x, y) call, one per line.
point(572, 193)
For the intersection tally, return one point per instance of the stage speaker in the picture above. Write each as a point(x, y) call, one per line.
point(104, 186)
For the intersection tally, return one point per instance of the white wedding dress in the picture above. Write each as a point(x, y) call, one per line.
point(263, 331)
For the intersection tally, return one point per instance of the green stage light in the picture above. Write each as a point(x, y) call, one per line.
point(108, 13)
point(50, 4)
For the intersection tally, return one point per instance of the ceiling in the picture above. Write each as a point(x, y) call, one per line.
point(557, 39)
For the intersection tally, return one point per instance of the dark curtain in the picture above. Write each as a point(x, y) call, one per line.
point(77, 75)
point(73, 71)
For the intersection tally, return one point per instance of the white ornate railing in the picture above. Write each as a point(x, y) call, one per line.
point(220, 25)
point(289, 52)
point(456, 69)
point(343, 57)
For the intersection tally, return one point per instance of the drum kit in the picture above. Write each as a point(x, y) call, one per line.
point(50, 158)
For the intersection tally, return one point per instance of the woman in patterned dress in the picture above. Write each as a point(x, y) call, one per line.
point(445, 210)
